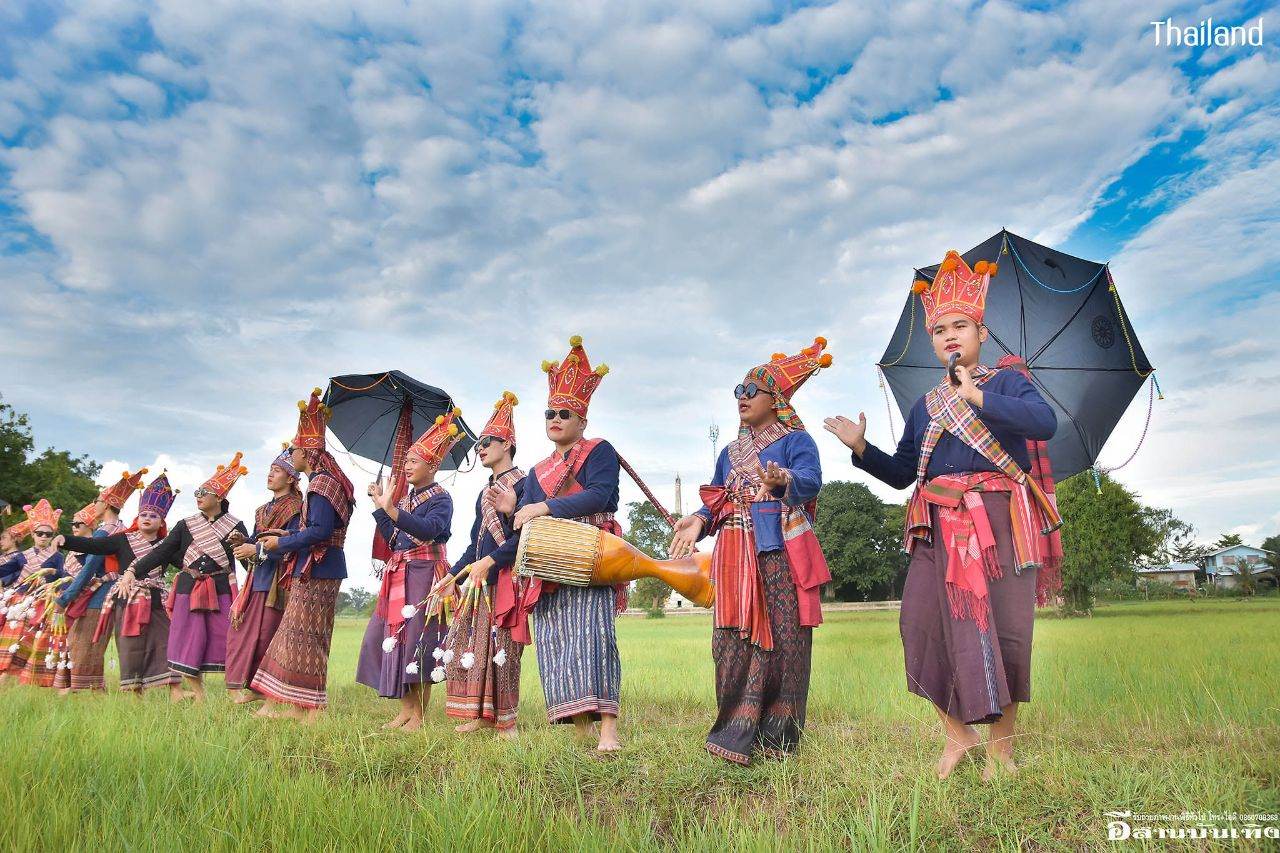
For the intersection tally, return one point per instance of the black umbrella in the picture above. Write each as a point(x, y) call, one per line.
point(1062, 316)
point(366, 408)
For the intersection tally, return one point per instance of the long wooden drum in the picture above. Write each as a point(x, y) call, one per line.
point(577, 554)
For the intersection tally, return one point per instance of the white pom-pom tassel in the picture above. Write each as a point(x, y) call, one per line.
point(500, 658)
point(437, 674)
point(389, 645)
point(408, 611)
point(411, 669)
point(438, 653)
point(448, 656)
point(13, 650)
point(39, 634)
point(468, 660)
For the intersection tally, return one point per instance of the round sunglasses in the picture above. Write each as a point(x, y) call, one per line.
point(747, 391)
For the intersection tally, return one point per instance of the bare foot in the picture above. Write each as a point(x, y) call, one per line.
point(396, 723)
point(997, 764)
point(308, 716)
point(412, 724)
point(244, 697)
point(609, 743)
point(955, 749)
point(471, 726)
point(267, 712)
point(510, 733)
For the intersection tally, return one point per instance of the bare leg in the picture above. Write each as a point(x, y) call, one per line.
point(193, 687)
point(64, 691)
point(175, 692)
point(411, 705)
point(245, 696)
point(609, 734)
point(1000, 744)
point(509, 733)
point(958, 739)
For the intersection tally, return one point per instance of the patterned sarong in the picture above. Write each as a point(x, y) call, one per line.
point(488, 689)
point(295, 669)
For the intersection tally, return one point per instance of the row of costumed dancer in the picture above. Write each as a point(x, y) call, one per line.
point(972, 447)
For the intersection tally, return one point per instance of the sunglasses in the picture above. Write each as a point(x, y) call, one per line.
point(201, 492)
point(747, 391)
point(484, 443)
point(562, 414)
point(42, 533)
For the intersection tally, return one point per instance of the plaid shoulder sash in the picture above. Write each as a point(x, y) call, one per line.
point(206, 540)
point(490, 518)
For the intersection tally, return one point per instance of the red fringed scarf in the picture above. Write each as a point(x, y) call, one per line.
point(392, 596)
point(207, 538)
point(505, 596)
point(740, 599)
point(966, 531)
point(137, 610)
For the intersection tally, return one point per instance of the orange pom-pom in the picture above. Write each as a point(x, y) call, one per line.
point(826, 360)
point(991, 269)
point(919, 286)
point(949, 264)
point(981, 267)
point(820, 341)
point(439, 419)
point(777, 356)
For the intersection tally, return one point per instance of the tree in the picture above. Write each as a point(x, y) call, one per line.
point(1245, 580)
point(648, 531)
point(1104, 536)
point(66, 481)
point(1272, 544)
point(1228, 540)
point(355, 601)
point(861, 538)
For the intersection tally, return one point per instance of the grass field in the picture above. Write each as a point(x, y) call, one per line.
point(1156, 707)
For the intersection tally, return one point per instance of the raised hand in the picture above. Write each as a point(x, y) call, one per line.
point(852, 434)
point(773, 476)
point(685, 536)
point(504, 499)
point(528, 513)
point(968, 390)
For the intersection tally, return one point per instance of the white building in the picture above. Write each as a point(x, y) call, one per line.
point(1222, 565)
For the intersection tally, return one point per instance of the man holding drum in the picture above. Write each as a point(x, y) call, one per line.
point(577, 648)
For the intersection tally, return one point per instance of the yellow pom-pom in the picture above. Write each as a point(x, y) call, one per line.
point(575, 341)
point(457, 413)
point(453, 429)
point(220, 468)
point(243, 470)
point(547, 366)
point(820, 341)
point(302, 405)
point(919, 286)
point(439, 419)
point(602, 370)
point(826, 360)
point(315, 392)
point(284, 445)
point(142, 471)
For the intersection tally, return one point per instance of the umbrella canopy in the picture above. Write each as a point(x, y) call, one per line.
point(366, 408)
point(1062, 316)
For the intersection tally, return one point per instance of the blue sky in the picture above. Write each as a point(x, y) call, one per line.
point(205, 209)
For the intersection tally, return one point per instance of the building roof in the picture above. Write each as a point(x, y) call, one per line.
point(1168, 568)
point(1234, 547)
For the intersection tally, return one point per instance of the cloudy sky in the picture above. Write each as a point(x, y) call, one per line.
point(208, 208)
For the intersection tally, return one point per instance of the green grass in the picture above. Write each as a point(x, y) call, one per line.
point(1156, 707)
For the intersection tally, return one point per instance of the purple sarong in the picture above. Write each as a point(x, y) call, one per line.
point(198, 640)
point(385, 671)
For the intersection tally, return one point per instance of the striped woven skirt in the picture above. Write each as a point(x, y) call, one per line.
point(762, 696)
point(87, 670)
point(488, 689)
point(144, 659)
point(578, 652)
point(295, 669)
point(964, 672)
point(15, 647)
point(41, 666)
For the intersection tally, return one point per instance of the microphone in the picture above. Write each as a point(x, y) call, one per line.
point(951, 368)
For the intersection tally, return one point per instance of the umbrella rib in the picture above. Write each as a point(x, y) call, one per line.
point(1070, 320)
point(1071, 417)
